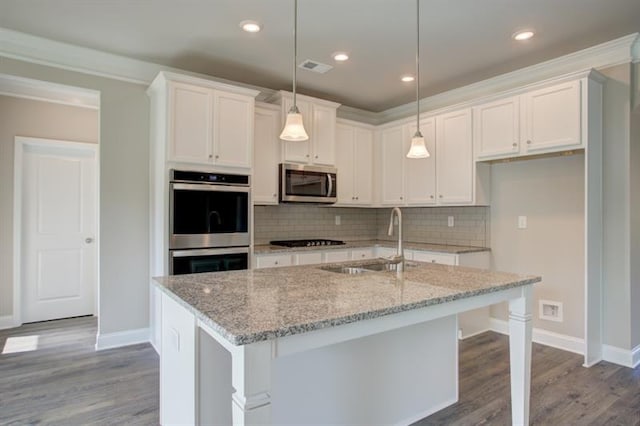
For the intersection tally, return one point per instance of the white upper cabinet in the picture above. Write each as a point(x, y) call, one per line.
point(552, 117)
point(420, 173)
point(392, 151)
point(354, 161)
point(545, 120)
point(454, 158)
point(266, 156)
point(319, 118)
point(206, 124)
point(190, 123)
point(496, 128)
point(232, 129)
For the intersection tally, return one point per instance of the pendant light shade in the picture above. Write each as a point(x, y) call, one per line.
point(418, 148)
point(294, 127)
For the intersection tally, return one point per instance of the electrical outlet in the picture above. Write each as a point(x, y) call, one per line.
point(550, 310)
point(337, 220)
point(522, 222)
point(450, 221)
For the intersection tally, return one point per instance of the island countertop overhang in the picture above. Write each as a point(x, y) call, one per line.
point(263, 304)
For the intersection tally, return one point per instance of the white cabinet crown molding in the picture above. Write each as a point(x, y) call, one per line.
point(282, 94)
point(166, 76)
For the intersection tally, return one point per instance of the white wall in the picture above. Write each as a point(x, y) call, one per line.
point(550, 192)
point(24, 117)
point(124, 192)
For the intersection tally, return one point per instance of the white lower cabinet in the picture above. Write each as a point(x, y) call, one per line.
point(308, 258)
point(337, 256)
point(273, 260)
point(177, 364)
point(431, 257)
point(364, 253)
point(385, 251)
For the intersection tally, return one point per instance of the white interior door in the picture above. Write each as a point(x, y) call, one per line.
point(58, 253)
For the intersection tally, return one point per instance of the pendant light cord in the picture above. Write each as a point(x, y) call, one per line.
point(295, 50)
point(417, 66)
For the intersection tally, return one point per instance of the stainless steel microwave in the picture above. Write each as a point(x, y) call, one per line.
point(300, 183)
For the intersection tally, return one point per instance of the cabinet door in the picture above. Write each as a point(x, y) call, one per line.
point(233, 129)
point(553, 117)
point(266, 156)
point(363, 253)
point(190, 123)
point(496, 128)
point(324, 135)
point(345, 136)
point(298, 152)
point(311, 258)
point(392, 152)
point(431, 257)
point(363, 166)
point(177, 364)
point(420, 173)
point(337, 256)
point(454, 162)
point(272, 260)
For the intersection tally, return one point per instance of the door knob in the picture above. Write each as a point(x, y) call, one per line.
point(88, 240)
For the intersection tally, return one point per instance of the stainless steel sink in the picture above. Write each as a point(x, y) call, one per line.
point(363, 268)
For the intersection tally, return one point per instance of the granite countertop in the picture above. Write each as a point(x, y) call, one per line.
point(262, 304)
point(439, 248)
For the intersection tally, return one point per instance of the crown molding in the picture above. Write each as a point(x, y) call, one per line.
point(42, 51)
point(27, 88)
point(615, 52)
point(30, 48)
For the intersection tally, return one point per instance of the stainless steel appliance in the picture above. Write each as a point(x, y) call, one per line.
point(301, 183)
point(208, 260)
point(209, 222)
point(208, 210)
point(306, 243)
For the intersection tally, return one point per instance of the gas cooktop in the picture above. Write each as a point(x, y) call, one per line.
point(306, 243)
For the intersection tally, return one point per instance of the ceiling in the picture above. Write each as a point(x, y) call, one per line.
point(462, 41)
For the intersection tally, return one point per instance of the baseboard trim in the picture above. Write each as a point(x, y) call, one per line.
point(427, 413)
point(122, 338)
point(544, 337)
point(466, 336)
point(625, 357)
point(6, 322)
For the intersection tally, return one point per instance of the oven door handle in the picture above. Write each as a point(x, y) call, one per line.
point(209, 252)
point(209, 187)
point(330, 189)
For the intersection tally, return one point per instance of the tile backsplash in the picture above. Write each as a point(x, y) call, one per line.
point(420, 224)
point(297, 221)
point(429, 225)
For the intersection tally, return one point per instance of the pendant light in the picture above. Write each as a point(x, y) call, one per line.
point(294, 127)
point(418, 148)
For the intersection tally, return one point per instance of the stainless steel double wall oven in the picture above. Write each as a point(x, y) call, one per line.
point(209, 222)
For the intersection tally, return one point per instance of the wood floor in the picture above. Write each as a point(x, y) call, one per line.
point(65, 382)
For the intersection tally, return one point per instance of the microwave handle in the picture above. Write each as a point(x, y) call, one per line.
point(330, 180)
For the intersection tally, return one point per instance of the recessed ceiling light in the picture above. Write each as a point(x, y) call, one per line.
point(250, 26)
point(340, 56)
point(407, 78)
point(523, 35)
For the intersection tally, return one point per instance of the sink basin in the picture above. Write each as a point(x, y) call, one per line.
point(363, 268)
point(349, 270)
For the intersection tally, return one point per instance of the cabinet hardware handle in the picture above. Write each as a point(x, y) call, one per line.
point(307, 155)
point(357, 198)
point(210, 156)
point(433, 261)
point(401, 198)
point(440, 195)
point(529, 142)
point(217, 156)
point(431, 196)
point(275, 263)
point(274, 195)
point(316, 156)
point(88, 240)
point(515, 144)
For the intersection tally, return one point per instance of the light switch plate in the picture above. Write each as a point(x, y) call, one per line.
point(522, 222)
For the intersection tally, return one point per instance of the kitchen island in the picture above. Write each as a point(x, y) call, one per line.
point(310, 345)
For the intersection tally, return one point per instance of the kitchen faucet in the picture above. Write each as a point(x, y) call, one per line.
point(398, 259)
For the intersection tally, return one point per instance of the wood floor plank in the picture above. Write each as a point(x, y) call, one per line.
point(65, 382)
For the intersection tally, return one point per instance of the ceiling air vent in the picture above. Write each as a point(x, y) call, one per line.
point(314, 66)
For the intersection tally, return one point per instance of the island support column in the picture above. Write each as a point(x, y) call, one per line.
point(251, 379)
point(520, 326)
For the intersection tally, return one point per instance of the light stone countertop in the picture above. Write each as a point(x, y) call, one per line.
point(262, 304)
point(438, 248)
